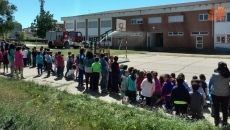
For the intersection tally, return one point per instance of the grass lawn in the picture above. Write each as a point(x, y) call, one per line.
point(28, 106)
point(113, 52)
point(33, 43)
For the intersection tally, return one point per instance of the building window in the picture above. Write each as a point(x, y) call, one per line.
point(199, 33)
point(228, 17)
point(69, 26)
point(175, 34)
point(203, 17)
point(136, 34)
point(106, 23)
point(137, 21)
point(93, 39)
point(155, 20)
point(228, 38)
point(81, 25)
point(92, 24)
point(222, 39)
point(179, 18)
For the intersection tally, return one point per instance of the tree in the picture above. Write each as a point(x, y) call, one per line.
point(43, 23)
point(22, 35)
point(7, 22)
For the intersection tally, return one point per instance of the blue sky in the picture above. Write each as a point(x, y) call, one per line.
point(28, 9)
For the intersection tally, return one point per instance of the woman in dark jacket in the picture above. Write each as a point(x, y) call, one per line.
point(220, 91)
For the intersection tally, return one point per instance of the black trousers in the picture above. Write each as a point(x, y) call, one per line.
point(29, 61)
point(148, 100)
point(115, 82)
point(95, 80)
point(25, 62)
point(110, 81)
point(88, 80)
point(60, 71)
point(34, 61)
point(220, 101)
point(132, 95)
point(181, 109)
point(49, 68)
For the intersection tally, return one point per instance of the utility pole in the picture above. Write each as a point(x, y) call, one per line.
point(42, 6)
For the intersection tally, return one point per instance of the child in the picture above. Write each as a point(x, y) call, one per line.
point(70, 74)
point(123, 87)
point(39, 61)
point(166, 91)
point(60, 65)
point(196, 104)
point(110, 73)
point(122, 69)
point(131, 86)
point(204, 86)
point(115, 74)
point(1, 56)
point(173, 78)
point(29, 57)
point(180, 97)
point(140, 78)
point(96, 70)
point(5, 62)
point(69, 65)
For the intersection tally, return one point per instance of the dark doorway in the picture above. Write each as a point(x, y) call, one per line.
point(154, 40)
point(159, 40)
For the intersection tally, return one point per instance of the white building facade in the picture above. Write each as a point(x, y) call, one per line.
point(222, 29)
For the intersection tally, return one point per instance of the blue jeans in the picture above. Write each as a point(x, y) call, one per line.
point(80, 76)
point(40, 68)
point(104, 80)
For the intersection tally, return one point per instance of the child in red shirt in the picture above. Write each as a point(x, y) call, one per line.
point(60, 65)
point(140, 78)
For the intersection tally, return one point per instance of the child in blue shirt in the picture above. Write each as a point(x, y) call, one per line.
point(131, 86)
point(166, 91)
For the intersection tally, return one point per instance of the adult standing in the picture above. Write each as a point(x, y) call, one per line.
point(88, 61)
point(11, 58)
point(104, 73)
point(220, 91)
point(81, 57)
point(34, 55)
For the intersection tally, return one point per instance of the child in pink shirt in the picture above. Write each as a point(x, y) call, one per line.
point(18, 62)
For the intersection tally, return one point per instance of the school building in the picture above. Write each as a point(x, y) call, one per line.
point(195, 25)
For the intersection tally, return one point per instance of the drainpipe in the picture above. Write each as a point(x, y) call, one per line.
point(213, 26)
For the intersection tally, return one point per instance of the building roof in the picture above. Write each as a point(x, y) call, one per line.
point(112, 12)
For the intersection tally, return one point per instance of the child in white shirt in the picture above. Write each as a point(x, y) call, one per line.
point(70, 74)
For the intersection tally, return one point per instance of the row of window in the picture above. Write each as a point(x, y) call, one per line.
point(180, 18)
point(182, 33)
point(91, 24)
point(223, 39)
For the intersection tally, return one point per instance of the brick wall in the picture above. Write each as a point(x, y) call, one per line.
point(191, 24)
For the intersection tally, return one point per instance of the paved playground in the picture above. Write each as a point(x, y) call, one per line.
point(190, 65)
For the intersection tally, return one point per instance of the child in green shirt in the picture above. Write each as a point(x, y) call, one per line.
point(96, 70)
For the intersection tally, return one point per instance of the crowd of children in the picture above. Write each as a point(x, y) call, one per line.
point(175, 92)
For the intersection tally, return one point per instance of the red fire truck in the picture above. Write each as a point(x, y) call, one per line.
point(65, 39)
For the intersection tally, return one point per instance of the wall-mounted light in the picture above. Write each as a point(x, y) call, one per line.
point(153, 28)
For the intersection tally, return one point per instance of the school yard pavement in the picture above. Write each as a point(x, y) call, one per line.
point(163, 63)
